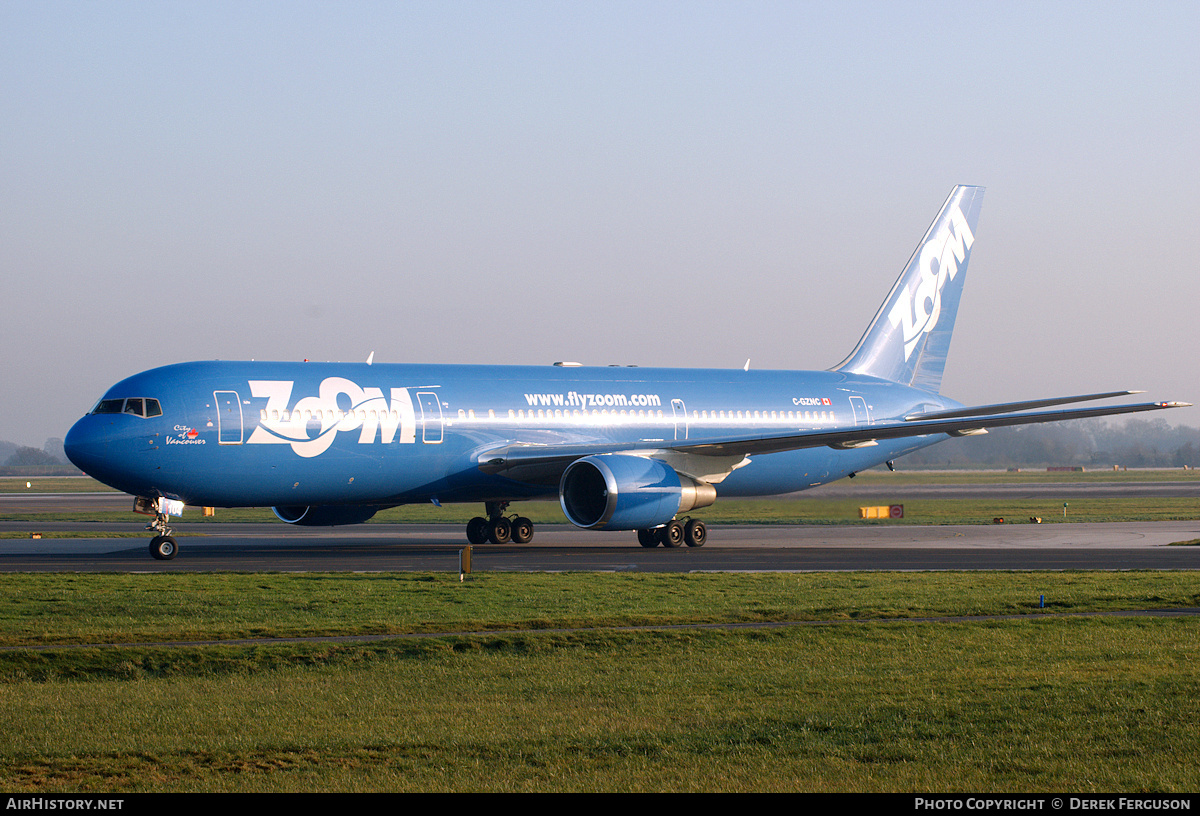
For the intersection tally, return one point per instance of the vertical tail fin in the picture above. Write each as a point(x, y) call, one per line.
point(909, 338)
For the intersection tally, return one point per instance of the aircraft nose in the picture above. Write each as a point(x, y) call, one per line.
point(83, 446)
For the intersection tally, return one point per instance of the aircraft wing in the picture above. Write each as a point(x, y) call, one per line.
point(1010, 407)
point(963, 423)
point(545, 463)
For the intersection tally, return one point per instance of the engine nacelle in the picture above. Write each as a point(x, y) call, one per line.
point(621, 492)
point(328, 515)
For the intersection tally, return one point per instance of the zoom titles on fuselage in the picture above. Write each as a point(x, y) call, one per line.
point(312, 423)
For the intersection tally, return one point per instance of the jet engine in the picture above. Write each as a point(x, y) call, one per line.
point(622, 492)
point(328, 515)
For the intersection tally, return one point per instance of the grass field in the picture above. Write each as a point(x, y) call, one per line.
point(865, 698)
point(610, 682)
point(801, 509)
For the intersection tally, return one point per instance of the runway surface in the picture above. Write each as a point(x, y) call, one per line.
point(436, 548)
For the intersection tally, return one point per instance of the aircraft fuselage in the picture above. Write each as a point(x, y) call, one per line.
point(236, 434)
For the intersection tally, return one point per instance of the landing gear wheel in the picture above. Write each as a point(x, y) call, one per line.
point(671, 534)
point(695, 533)
point(522, 530)
point(648, 538)
point(163, 547)
point(477, 530)
point(499, 530)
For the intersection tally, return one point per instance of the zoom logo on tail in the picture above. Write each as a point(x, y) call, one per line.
point(919, 306)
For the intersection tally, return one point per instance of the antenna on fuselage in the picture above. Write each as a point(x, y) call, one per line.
point(746, 367)
point(370, 357)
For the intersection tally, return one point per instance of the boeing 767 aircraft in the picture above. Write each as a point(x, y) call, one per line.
point(622, 448)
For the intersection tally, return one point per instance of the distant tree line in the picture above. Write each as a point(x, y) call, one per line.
point(49, 460)
point(1099, 443)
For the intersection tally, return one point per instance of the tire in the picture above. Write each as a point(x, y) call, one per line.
point(522, 530)
point(499, 530)
point(163, 548)
point(695, 533)
point(477, 530)
point(671, 534)
point(648, 538)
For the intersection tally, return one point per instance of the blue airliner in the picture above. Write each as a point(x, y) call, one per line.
point(622, 448)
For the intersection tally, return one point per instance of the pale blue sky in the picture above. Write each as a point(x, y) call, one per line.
point(686, 184)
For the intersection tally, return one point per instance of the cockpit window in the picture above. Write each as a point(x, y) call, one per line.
point(138, 406)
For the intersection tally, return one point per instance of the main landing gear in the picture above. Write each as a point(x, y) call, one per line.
point(692, 532)
point(498, 528)
point(162, 546)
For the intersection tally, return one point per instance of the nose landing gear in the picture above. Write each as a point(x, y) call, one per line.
point(162, 546)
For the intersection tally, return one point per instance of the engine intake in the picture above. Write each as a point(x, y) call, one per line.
point(329, 515)
point(622, 492)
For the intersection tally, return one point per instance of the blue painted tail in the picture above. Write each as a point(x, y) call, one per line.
point(909, 338)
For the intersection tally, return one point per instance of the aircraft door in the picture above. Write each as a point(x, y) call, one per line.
point(229, 417)
point(431, 417)
point(862, 416)
point(681, 419)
